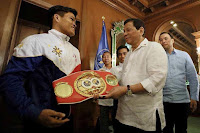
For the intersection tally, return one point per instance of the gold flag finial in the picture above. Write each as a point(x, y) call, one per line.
point(103, 18)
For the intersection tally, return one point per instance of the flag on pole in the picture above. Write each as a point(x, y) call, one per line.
point(103, 47)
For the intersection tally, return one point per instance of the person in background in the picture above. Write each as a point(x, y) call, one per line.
point(106, 105)
point(177, 100)
point(36, 62)
point(144, 72)
point(121, 54)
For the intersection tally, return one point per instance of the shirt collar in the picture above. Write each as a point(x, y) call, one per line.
point(120, 64)
point(59, 35)
point(104, 67)
point(142, 44)
point(173, 52)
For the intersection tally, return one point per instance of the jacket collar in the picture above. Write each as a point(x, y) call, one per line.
point(59, 35)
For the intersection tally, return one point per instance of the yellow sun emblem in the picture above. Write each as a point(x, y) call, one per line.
point(57, 51)
point(20, 45)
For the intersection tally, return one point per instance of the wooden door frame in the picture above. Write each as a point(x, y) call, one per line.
point(10, 26)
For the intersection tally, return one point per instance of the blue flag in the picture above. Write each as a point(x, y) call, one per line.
point(103, 47)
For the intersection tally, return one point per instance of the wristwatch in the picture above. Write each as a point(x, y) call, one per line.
point(129, 92)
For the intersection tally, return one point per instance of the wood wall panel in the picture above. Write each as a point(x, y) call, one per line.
point(91, 28)
point(77, 4)
point(9, 10)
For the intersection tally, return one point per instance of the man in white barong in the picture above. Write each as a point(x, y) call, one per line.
point(140, 97)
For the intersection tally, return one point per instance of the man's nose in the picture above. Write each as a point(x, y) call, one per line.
point(74, 23)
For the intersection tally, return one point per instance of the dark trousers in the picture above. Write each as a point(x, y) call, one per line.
point(121, 128)
point(104, 121)
point(115, 104)
point(176, 114)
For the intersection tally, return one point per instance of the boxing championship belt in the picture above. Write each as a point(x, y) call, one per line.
point(80, 86)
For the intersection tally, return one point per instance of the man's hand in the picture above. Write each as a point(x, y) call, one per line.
point(115, 93)
point(193, 105)
point(50, 118)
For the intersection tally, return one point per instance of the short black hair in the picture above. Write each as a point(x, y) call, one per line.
point(167, 33)
point(121, 47)
point(107, 52)
point(61, 10)
point(137, 23)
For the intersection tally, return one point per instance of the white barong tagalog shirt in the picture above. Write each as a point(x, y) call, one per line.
point(147, 65)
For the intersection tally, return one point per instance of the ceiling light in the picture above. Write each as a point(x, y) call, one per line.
point(171, 22)
point(175, 24)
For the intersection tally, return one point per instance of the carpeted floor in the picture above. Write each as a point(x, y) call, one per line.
point(193, 124)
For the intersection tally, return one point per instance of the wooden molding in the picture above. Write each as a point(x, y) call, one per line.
point(197, 39)
point(181, 44)
point(39, 3)
point(185, 36)
point(150, 3)
point(144, 2)
point(154, 2)
point(125, 8)
point(182, 5)
point(132, 11)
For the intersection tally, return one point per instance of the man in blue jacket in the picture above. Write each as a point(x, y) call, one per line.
point(36, 62)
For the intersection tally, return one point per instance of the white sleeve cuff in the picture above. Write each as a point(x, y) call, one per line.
point(149, 87)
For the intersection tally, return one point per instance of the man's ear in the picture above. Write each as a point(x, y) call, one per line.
point(141, 29)
point(172, 41)
point(56, 17)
